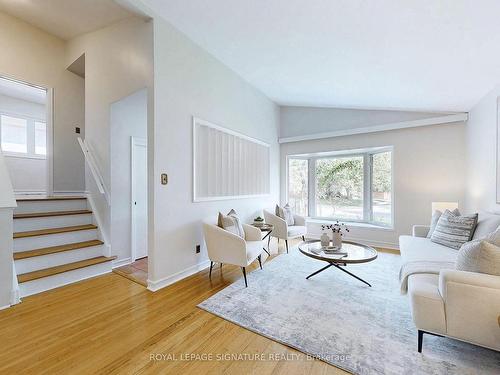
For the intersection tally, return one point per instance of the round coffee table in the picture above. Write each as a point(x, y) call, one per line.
point(353, 253)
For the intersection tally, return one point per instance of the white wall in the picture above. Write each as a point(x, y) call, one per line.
point(7, 203)
point(481, 143)
point(190, 82)
point(39, 58)
point(118, 62)
point(298, 121)
point(128, 119)
point(428, 166)
point(27, 174)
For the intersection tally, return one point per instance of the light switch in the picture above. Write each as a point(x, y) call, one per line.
point(164, 179)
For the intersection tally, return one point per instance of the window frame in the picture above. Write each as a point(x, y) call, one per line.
point(30, 136)
point(367, 155)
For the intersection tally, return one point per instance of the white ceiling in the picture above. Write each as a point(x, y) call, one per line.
point(65, 18)
point(22, 91)
point(391, 54)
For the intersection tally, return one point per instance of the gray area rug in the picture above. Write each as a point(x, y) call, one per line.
point(342, 321)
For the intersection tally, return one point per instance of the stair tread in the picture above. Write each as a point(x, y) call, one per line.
point(51, 213)
point(42, 232)
point(22, 278)
point(49, 198)
point(56, 249)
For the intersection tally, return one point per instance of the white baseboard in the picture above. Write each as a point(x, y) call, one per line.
point(29, 192)
point(169, 280)
point(5, 307)
point(75, 193)
point(15, 297)
point(387, 245)
point(121, 262)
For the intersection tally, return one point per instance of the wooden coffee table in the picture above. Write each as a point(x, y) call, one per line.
point(356, 253)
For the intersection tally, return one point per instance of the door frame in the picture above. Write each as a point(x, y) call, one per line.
point(134, 141)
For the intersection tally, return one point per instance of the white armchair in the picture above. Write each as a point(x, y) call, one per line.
point(284, 231)
point(226, 247)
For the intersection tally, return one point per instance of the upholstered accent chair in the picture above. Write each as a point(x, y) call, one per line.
point(226, 247)
point(284, 231)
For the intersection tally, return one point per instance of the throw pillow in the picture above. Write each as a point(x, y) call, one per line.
point(453, 231)
point(479, 256)
point(494, 237)
point(435, 218)
point(285, 213)
point(232, 223)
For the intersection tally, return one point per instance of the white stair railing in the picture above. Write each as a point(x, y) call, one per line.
point(94, 170)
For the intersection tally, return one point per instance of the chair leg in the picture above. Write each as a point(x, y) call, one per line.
point(260, 261)
point(210, 273)
point(303, 238)
point(268, 242)
point(245, 276)
point(221, 265)
point(286, 243)
point(420, 340)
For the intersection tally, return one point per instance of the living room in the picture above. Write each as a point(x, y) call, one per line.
point(314, 174)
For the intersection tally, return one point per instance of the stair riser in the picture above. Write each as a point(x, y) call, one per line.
point(57, 259)
point(50, 282)
point(50, 206)
point(22, 225)
point(36, 242)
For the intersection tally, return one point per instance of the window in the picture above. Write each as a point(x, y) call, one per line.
point(23, 137)
point(298, 186)
point(352, 187)
point(40, 138)
point(14, 134)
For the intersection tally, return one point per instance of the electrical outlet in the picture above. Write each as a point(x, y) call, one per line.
point(77, 130)
point(198, 249)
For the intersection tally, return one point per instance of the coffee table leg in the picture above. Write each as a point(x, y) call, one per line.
point(353, 275)
point(266, 251)
point(318, 271)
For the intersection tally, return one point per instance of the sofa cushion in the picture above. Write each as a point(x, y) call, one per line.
point(486, 224)
point(453, 231)
point(296, 231)
point(423, 249)
point(479, 256)
point(285, 213)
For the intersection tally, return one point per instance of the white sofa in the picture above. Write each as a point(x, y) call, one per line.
point(457, 304)
point(284, 231)
point(226, 247)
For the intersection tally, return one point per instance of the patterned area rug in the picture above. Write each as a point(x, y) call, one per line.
point(342, 321)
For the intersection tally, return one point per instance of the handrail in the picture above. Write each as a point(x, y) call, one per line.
point(89, 158)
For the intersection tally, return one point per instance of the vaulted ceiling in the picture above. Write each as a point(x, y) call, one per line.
point(390, 54)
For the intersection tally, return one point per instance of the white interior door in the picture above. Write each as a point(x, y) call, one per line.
point(139, 158)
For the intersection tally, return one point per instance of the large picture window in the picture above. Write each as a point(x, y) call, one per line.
point(23, 136)
point(349, 186)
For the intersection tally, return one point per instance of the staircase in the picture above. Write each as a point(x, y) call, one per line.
point(56, 243)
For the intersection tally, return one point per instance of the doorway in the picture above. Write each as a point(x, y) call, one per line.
point(26, 136)
point(139, 202)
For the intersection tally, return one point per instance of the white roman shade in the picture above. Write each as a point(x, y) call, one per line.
point(227, 164)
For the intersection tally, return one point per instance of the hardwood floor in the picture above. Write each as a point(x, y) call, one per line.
point(110, 325)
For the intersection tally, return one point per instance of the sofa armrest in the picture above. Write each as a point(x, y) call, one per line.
point(299, 220)
point(446, 277)
point(280, 227)
point(472, 306)
point(252, 233)
point(421, 230)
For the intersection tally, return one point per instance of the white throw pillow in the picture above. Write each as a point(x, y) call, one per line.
point(285, 213)
point(232, 223)
point(479, 256)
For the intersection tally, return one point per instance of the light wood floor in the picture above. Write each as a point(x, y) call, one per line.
point(111, 325)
